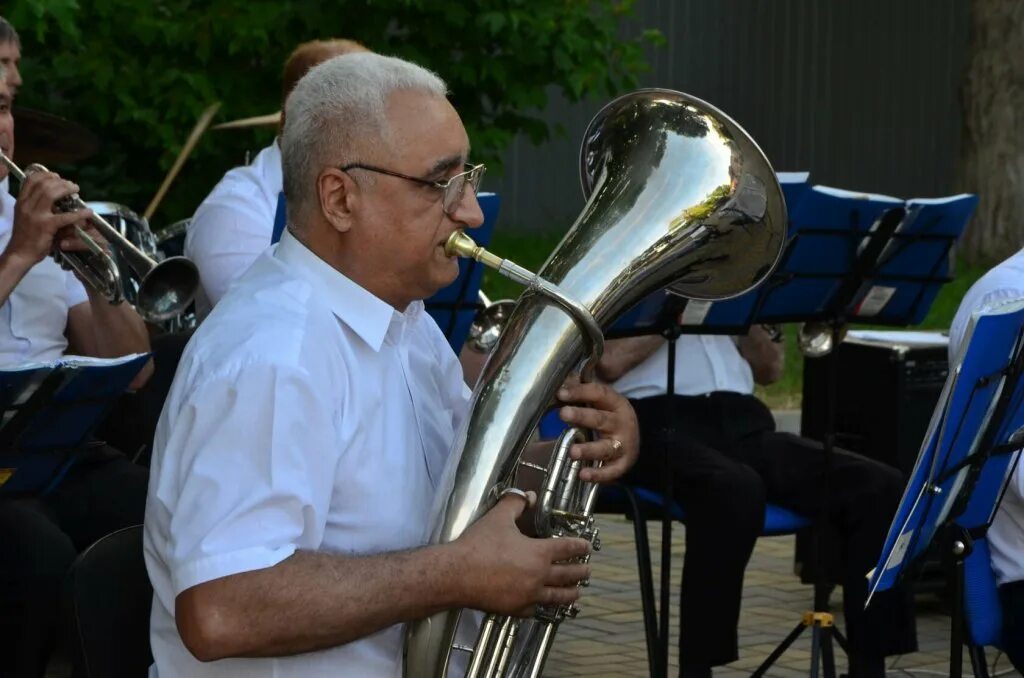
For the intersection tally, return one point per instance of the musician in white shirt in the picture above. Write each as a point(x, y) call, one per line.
point(727, 460)
point(1004, 283)
point(45, 312)
point(297, 457)
point(234, 223)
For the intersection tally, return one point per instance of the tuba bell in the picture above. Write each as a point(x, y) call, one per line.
point(679, 196)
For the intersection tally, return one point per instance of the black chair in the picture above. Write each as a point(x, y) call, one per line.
point(107, 600)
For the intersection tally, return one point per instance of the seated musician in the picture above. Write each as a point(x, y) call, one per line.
point(298, 455)
point(1003, 283)
point(727, 460)
point(10, 59)
point(235, 222)
point(44, 313)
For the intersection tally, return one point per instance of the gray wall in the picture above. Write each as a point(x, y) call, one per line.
point(864, 94)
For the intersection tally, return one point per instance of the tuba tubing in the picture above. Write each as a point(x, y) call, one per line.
point(678, 195)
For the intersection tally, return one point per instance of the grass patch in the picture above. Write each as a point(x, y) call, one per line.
point(532, 249)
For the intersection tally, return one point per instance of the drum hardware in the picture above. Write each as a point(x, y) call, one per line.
point(50, 139)
point(268, 120)
point(193, 138)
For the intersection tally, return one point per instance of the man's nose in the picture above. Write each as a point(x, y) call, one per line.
point(468, 211)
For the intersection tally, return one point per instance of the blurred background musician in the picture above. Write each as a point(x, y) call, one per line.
point(1004, 283)
point(10, 60)
point(727, 461)
point(46, 312)
point(235, 222)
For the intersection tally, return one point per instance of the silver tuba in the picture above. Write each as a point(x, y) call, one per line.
point(679, 196)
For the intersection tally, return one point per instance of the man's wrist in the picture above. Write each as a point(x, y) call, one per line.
point(16, 262)
point(451, 560)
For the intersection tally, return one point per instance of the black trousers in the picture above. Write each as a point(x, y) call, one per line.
point(726, 461)
point(1011, 596)
point(39, 539)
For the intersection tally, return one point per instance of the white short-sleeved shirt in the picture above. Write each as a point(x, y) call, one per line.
point(705, 363)
point(35, 315)
point(233, 225)
point(1003, 283)
point(305, 414)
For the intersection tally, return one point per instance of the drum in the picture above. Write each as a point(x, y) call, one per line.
point(170, 242)
point(136, 230)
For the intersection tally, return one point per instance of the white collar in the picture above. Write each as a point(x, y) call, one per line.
point(367, 315)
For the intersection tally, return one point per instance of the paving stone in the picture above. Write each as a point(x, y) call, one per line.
point(608, 638)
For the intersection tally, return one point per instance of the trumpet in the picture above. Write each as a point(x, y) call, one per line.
point(165, 288)
point(488, 323)
point(817, 339)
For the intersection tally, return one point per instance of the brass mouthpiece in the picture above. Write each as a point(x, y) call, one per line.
point(461, 245)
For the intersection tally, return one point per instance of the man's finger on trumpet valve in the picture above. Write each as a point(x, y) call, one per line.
point(509, 573)
point(36, 223)
point(69, 238)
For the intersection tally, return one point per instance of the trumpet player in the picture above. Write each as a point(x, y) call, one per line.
point(303, 440)
point(46, 312)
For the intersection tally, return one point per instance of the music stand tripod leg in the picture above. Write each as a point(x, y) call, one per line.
point(819, 620)
point(671, 334)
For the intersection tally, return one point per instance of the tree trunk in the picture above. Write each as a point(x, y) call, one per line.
point(992, 156)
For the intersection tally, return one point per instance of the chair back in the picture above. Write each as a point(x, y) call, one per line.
point(107, 603)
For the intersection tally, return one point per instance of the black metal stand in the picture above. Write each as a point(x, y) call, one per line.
point(671, 333)
point(819, 620)
point(959, 545)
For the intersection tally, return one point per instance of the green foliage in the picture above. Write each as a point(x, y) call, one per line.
point(140, 73)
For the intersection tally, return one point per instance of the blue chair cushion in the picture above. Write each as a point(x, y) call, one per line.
point(982, 609)
point(777, 520)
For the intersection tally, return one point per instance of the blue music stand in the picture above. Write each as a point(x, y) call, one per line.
point(49, 413)
point(454, 307)
point(848, 258)
point(965, 460)
point(829, 230)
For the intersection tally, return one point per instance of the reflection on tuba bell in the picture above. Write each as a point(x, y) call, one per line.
point(678, 195)
point(165, 289)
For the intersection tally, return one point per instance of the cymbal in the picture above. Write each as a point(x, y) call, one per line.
point(49, 139)
point(268, 120)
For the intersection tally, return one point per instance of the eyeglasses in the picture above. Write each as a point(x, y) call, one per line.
point(453, 187)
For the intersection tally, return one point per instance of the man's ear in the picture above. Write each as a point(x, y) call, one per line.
point(339, 195)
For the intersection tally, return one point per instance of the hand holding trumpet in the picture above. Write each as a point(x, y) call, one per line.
point(37, 224)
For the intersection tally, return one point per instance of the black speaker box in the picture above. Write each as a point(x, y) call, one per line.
point(887, 386)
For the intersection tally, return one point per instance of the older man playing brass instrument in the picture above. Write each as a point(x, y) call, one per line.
point(301, 446)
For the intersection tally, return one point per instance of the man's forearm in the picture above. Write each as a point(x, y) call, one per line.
point(117, 329)
point(766, 357)
point(313, 601)
point(622, 355)
point(12, 270)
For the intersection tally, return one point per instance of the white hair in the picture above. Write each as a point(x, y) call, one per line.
point(336, 111)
